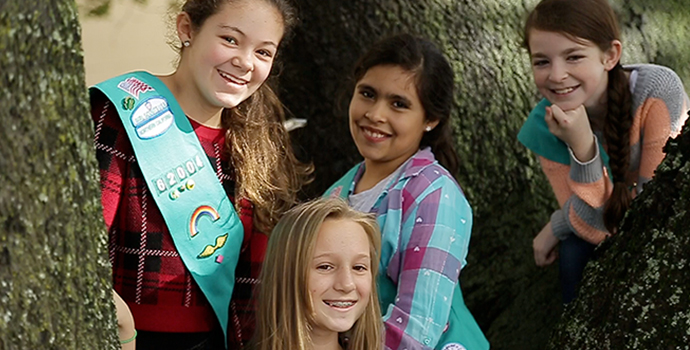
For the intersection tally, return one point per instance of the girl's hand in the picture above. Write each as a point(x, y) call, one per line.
point(125, 323)
point(544, 246)
point(572, 127)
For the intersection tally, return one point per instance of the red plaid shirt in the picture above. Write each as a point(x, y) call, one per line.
point(147, 270)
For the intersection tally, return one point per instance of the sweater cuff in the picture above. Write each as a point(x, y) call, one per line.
point(587, 172)
point(559, 225)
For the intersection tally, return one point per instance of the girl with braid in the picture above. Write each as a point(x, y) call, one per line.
point(600, 130)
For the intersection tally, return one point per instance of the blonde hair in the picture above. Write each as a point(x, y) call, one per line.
point(285, 312)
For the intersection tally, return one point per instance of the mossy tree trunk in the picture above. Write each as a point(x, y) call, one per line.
point(515, 303)
point(634, 293)
point(54, 273)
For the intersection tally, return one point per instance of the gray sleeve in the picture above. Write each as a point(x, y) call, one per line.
point(559, 225)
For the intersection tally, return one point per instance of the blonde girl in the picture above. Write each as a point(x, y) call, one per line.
point(317, 288)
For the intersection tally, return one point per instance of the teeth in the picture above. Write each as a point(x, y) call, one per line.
point(232, 79)
point(564, 91)
point(343, 304)
point(373, 133)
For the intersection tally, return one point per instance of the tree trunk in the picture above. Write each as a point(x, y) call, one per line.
point(633, 295)
point(54, 272)
point(514, 302)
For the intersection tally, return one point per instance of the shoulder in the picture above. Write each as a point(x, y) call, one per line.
point(342, 185)
point(658, 84)
point(435, 183)
point(654, 81)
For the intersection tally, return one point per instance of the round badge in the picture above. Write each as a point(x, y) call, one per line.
point(453, 346)
point(128, 103)
point(190, 184)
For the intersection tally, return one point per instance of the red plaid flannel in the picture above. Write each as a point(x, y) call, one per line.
point(147, 270)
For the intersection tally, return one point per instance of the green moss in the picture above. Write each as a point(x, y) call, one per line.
point(55, 292)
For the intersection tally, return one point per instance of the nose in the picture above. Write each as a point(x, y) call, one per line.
point(344, 281)
point(376, 113)
point(243, 60)
point(558, 72)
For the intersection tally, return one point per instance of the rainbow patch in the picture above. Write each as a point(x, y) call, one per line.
point(201, 212)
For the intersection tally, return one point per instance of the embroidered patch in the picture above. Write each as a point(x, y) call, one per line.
point(152, 118)
point(177, 178)
point(201, 212)
point(128, 103)
point(336, 192)
point(134, 86)
point(210, 249)
point(453, 346)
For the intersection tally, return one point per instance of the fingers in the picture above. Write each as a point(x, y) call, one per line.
point(550, 121)
point(558, 115)
point(551, 257)
point(542, 259)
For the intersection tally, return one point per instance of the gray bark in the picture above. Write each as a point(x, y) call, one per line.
point(515, 303)
point(54, 273)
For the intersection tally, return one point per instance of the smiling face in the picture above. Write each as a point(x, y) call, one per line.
point(387, 119)
point(339, 277)
point(231, 55)
point(570, 73)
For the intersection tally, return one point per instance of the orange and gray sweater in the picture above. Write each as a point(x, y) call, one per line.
point(660, 107)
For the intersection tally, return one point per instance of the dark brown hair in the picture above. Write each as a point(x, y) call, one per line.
point(594, 21)
point(434, 84)
point(266, 170)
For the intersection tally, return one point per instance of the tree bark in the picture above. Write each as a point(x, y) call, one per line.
point(514, 302)
point(54, 272)
point(633, 295)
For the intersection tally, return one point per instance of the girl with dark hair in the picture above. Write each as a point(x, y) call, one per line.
point(196, 168)
point(400, 122)
point(600, 130)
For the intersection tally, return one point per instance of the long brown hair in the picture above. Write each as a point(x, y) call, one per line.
point(265, 168)
point(284, 307)
point(595, 21)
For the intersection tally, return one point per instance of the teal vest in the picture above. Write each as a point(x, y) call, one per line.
point(205, 228)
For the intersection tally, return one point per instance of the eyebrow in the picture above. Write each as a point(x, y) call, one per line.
point(235, 29)
point(389, 96)
point(566, 52)
point(328, 254)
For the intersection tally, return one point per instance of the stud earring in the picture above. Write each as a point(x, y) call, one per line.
point(186, 43)
point(428, 128)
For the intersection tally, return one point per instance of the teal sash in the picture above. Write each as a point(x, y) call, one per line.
point(462, 331)
point(203, 223)
point(536, 136)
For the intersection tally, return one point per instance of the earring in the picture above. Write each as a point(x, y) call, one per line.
point(428, 128)
point(186, 43)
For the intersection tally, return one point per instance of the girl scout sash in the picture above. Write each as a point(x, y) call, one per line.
point(462, 331)
point(536, 136)
point(203, 223)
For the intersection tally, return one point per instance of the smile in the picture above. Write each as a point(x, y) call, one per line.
point(340, 304)
point(564, 91)
point(233, 79)
point(373, 133)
